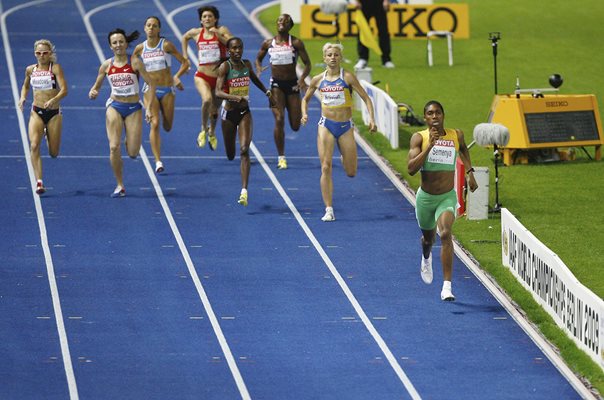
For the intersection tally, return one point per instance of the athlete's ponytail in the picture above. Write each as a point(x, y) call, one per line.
point(129, 38)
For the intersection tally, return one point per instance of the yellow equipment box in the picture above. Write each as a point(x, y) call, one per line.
point(547, 121)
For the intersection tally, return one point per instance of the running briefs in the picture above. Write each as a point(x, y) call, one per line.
point(429, 207)
point(235, 116)
point(45, 114)
point(210, 79)
point(125, 109)
point(288, 87)
point(336, 128)
point(160, 91)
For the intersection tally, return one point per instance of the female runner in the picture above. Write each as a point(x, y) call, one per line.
point(45, 119)
point(124, 108)
point(335, 126)
point(233, 85)
point(211, 51)
point(156, 53)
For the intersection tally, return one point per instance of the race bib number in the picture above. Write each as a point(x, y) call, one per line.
point(442, 155)
point(281, 57)
point(209, 54)
point(332, 98)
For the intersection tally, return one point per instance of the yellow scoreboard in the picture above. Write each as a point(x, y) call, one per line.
point(548, 121)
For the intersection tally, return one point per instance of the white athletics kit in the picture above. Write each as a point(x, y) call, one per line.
point(156, 59)
point(283, 54)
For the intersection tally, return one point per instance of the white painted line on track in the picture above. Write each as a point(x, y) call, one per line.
point(481, 275)
point(391, 359)
point(183, 248)
point(54, 291)
point(336, 274)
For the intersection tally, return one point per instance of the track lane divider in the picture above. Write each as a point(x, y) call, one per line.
point(168, 213)
point(52, 281)
point(349, 295)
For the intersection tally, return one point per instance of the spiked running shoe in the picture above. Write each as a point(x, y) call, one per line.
point(40, 187)
point(426, 269)
point(159, 167)
point(213, 142)
point(118, 192)
point(243, 199)
point(282, 163)
point(446, 294)
point(329, 216)
point(201, 138)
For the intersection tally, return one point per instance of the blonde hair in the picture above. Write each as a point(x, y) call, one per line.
point(328, 46)
point(51, 47)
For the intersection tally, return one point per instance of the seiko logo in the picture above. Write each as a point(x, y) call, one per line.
point(407, 21)
point(556, 103)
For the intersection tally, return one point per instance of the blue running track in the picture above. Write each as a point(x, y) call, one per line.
point(178, 292)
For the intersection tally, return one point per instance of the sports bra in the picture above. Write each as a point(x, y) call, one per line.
point(123, 80)
point(237, 82)
point(43, 80)
point(335, 94)
point(444, 153)
point(282, 54)
point(156, 59)
point(209, 51)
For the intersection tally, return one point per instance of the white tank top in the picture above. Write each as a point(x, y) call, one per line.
point(282, 54)
point(156, 59)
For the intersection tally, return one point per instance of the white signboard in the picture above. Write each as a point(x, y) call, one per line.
point(576, 309)
point(385, 110)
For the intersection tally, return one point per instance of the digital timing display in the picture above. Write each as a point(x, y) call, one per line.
point(569, 126)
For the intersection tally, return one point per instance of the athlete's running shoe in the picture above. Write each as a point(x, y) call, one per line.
point(446, 294)
point(213, 142)
point(329, 216)
point(201, 138)
point(40, 187)
point(118, 192)
point(159, 167)
point(282, 163)
point(426, 269)
point(243, 199)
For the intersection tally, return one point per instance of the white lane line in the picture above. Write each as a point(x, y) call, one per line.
point(183, 248)
point(351, 298)
point(54, 291)
point(336, 274)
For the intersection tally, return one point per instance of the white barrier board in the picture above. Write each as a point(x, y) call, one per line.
point(385, 110)
point(576, 309)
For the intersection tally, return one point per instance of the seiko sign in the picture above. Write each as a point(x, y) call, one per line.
point(404, 21)
point(556, 103)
